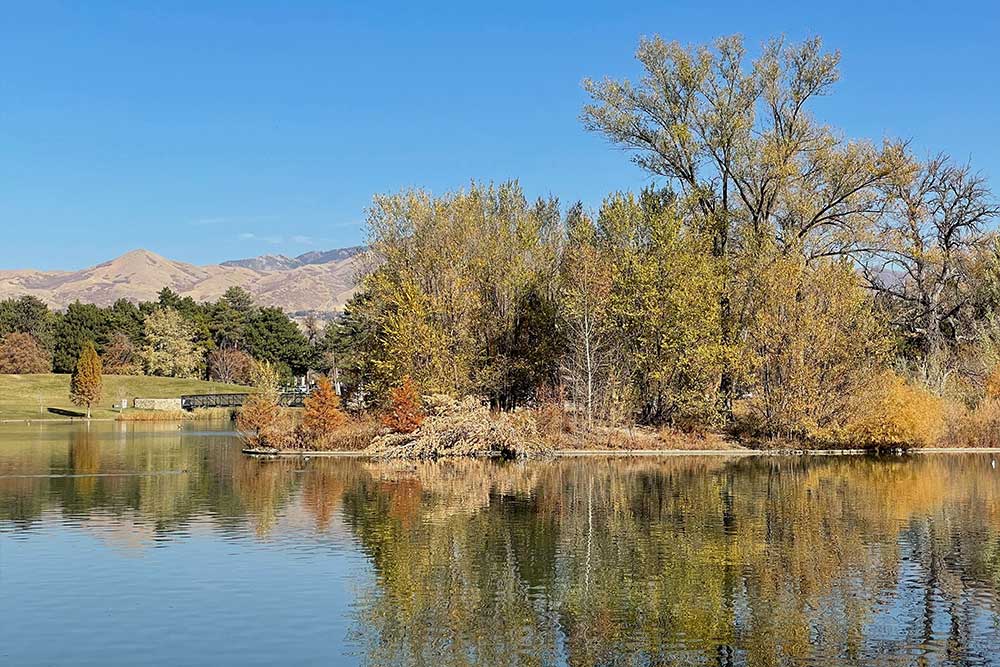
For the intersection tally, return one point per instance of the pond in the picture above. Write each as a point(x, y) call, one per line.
point(140, 544)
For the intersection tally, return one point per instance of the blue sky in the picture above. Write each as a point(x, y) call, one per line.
point(211, 131)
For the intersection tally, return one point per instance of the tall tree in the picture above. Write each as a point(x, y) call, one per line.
point(86, 385)
point(170, 347)
point(82, 322)
point(22, 353)
point(269, 335)
point(29, 315)
point(923, 262)
point(737, 141)
point(463, 291)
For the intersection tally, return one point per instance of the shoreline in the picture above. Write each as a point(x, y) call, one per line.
point(565, 453)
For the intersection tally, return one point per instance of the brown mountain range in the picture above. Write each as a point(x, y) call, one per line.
point(318, 282)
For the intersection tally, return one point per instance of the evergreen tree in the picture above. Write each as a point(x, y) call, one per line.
point(86, 386)
point(80, 323)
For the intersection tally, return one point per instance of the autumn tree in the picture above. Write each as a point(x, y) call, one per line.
point(403, 413)
point(22, 353)
point(664, 310)
point(923, 260)
point(584, 301)
point(813, 347)
point(462, 291)
point(230, 364)
point(170, 347)
point(736, 140)
point(262, 420)
point(120, 356)
point(86, 385)
point(322, 412)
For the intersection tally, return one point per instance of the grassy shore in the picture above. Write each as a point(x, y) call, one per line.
point(47, 396)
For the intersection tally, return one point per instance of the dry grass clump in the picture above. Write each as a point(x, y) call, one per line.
point(464, 427)
point(199, 414)
point(353, 436)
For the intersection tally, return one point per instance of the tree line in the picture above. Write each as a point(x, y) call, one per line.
point(173, 336)
point(779, 278)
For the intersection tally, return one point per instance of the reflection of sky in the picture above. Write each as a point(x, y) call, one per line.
point(917, 604)
point(200, 599)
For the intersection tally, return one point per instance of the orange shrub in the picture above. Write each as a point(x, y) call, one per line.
point(404, 413)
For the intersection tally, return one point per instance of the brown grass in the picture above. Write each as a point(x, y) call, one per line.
point(205, 414)
point(355, 435)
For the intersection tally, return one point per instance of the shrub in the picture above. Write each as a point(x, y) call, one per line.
point(404, 414)
point(898, 414)
point(21, 353)
point(262, 421)
point(322, 413)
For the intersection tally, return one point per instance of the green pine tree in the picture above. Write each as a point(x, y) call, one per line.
point(86, 386)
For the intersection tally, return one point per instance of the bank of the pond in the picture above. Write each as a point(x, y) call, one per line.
point(571, 453)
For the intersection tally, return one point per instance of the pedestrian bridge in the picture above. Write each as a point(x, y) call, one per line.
point(291, 396)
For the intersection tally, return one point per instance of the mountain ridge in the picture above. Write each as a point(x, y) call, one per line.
point(318, 282)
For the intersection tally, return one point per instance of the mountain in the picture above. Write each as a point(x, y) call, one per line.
point(283, 263)
point(318, 282)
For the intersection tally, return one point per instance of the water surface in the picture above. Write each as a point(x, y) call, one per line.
point(153, 544)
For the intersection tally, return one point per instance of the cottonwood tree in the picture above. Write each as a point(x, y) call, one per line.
point(664, 310)
point(734, 137)
point(924, 258)
point(584, 305)
point(86, 385)
point(462, 291)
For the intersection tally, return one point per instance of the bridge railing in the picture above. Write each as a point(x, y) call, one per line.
point(290, 396)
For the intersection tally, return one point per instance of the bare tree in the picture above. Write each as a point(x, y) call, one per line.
point(921, 264)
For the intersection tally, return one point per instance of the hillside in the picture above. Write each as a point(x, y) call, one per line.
point(47, 396)
point(320, 282)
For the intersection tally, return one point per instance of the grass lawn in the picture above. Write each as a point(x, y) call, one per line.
point(47, 396)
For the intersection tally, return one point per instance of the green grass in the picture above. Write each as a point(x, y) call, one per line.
point(47, 396)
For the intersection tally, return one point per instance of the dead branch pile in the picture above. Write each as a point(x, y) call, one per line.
point(464, 427)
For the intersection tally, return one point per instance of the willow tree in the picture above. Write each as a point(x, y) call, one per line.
point(735, 138)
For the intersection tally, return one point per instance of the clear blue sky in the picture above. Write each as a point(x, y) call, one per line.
point(211, 131)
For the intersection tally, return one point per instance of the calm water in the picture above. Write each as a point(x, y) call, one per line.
point(127, 546)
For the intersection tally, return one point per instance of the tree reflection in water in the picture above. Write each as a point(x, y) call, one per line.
point(761, 562)
point(707, 561)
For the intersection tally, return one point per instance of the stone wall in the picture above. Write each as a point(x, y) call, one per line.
point(157, 404)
